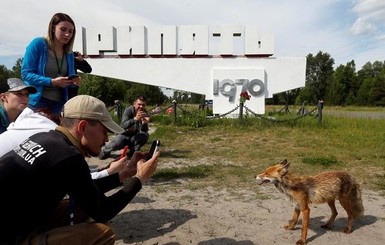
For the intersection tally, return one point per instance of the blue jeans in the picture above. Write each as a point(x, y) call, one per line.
point(134, 142)
point(54, 107)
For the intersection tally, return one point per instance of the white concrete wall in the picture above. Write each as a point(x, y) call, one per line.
point(197, 74)
point(195, 59)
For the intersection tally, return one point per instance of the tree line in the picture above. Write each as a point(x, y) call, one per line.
point(341, 86)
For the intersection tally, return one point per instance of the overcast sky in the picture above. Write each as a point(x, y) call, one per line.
point(346, 29)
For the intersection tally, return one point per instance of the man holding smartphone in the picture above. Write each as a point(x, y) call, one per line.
point(43, 169)
point(135, 124)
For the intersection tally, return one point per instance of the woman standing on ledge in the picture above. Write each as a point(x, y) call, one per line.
point(48, 65)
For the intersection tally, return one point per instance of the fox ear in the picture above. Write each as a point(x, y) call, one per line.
point(285, 165)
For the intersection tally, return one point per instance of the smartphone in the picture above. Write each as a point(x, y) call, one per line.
point(124, 152)
point(73, 76)
point(154, 148)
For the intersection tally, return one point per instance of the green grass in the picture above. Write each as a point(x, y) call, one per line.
point(199, 171)
point(321, 161)
point(228, 153)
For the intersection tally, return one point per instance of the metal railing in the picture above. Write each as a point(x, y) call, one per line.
point(302, 112)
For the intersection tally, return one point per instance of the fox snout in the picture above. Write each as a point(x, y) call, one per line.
point(273, 174)
point(262, 180)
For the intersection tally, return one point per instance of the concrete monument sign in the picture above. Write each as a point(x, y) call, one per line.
point(219, 61)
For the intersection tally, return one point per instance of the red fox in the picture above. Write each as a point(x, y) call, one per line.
point(325, 187)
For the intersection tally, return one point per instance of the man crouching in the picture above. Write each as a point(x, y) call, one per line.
point(41, 171)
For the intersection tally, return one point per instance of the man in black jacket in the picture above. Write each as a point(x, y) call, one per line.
point(41, 171)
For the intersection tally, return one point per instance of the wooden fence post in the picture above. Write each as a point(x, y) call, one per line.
point(241, 111)
point(174, 109)
point(320, 106)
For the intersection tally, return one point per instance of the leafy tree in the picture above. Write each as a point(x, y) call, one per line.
point(16, 69)
point(305, 95)
point(181, 96)
point(345, 85)
point(378, 67)
point(363, 93)
point(369, 70)
point(319, 72)
point(197, 98)
point(106, 89)
point(4, 75)
point(365, 76)
point(336, 90)
point(287, 97)
point(350, 84)
point(109, 90)
point(153, 94)
point(187, 97)
point(377, 91)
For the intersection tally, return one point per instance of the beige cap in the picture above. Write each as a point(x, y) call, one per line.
point(88, 107)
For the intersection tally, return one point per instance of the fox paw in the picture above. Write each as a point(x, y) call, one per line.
point(288, 227)
point(300, 242)
point(347, 230)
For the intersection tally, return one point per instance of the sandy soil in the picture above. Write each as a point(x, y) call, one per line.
point(163, 214)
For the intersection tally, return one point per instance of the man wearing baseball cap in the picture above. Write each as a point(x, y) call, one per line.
point(41, 171)
point(14, 98)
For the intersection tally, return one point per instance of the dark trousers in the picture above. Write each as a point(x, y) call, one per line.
point(134, 142)
point(57, 230)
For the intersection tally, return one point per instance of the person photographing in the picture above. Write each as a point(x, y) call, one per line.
point(43, 169)
point(135, 121)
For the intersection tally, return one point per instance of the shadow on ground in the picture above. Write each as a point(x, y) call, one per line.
point(338, 225)
point(140, 225)
point(218, 241)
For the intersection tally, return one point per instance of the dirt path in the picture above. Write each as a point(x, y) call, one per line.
point(163, 214)
point(209, 216)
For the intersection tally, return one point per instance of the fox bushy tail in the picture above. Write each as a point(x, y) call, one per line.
point(355, 198)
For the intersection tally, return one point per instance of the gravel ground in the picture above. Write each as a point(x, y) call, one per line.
point(170, 213)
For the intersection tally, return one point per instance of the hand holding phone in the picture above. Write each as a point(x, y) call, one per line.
point(154, 148)
point(124, 152)
point(73, 77)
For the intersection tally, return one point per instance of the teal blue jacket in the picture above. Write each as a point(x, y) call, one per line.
point(33, 68)
point(4, 122)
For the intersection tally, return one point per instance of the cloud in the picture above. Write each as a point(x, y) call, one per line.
point(343, 28)
point(362, 26)
point(31, 19)
point(370, 16)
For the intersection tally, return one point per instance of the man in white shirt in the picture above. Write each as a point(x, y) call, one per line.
point(29, 123)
